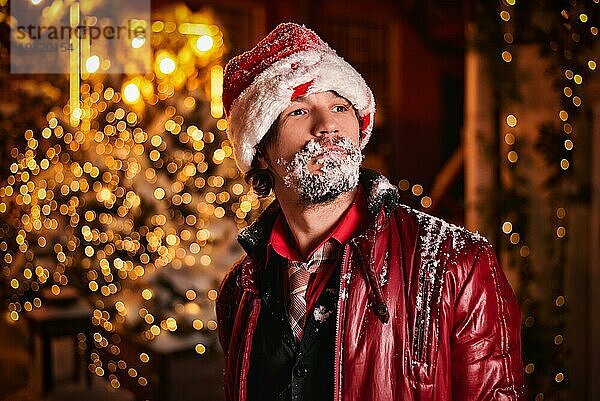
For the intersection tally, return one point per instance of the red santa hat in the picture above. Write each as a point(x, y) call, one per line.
point(289, 62)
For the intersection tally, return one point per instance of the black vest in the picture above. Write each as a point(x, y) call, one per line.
point(281, 368)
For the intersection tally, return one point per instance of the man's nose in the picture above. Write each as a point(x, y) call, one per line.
point(325, 124)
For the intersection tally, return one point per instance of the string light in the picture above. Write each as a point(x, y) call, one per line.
point(204, 43)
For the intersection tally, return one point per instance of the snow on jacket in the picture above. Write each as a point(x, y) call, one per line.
point(425, 311)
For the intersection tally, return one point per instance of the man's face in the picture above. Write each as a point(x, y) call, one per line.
point(317, 148)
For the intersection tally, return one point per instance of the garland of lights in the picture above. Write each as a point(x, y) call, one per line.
point(545, 364)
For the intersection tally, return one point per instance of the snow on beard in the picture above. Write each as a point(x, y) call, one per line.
point(338, 171)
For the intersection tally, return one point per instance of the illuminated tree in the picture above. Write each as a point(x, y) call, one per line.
point(132, 198)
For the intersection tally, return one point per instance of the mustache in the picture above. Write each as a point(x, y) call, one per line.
point(335, 141)
point(317, 146)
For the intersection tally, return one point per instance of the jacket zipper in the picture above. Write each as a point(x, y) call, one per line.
point(337, 368)
point(253, 319)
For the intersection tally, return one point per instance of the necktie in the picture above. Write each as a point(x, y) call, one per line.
point(299, 273)
point(326, 256)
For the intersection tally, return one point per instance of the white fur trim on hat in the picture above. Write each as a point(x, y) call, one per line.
point(259, 105)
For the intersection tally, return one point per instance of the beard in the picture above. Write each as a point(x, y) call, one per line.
point(337, 171)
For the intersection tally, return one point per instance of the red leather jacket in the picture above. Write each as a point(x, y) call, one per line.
point(424, 313)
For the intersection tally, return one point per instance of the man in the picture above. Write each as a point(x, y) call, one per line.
point(344, 293)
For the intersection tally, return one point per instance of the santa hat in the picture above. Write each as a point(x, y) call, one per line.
point(289, 62)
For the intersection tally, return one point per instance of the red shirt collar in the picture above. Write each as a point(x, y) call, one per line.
point(351, 223)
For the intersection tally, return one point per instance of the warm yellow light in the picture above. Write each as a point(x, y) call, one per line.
point(506, 56)
point(204, 43)
point(171, 324)
point(36, 2)
point(563, 115)
point(426, 201)
point(92, 64)
point(592, 65)
point(507, 227)
point(172, 239)
point(120, 306)
point(524, 251)
point(578, 79)
point(131, 93)
point(568, 144)
point(529, 368)
point(166, 65)
point(245, 206)
point(583, 17)
point(77, 113)
point(159, 193)
point(147, 294)
point(222, 124)
point(237, 189)
point(511, 120)
point(138, 42)
point(201, 349)
point(104, 194)
point(158, 26)
point(216, 91)
point(219, 155)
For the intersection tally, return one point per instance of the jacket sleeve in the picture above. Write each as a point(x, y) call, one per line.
point(486, 339)
point(229, 295)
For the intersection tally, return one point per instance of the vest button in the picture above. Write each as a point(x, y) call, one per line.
point(381, 310)
point(300, 371)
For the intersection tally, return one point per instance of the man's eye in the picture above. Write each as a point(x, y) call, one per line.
point(297, 112)
point(340, 108)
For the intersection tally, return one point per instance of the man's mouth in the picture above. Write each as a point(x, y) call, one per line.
point(332, 150)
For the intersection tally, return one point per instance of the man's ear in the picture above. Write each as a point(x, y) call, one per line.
point(261, 161)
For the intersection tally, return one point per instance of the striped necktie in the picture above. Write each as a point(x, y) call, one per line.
point(299, 274)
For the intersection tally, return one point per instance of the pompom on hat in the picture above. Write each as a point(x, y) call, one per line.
point(290, 62)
